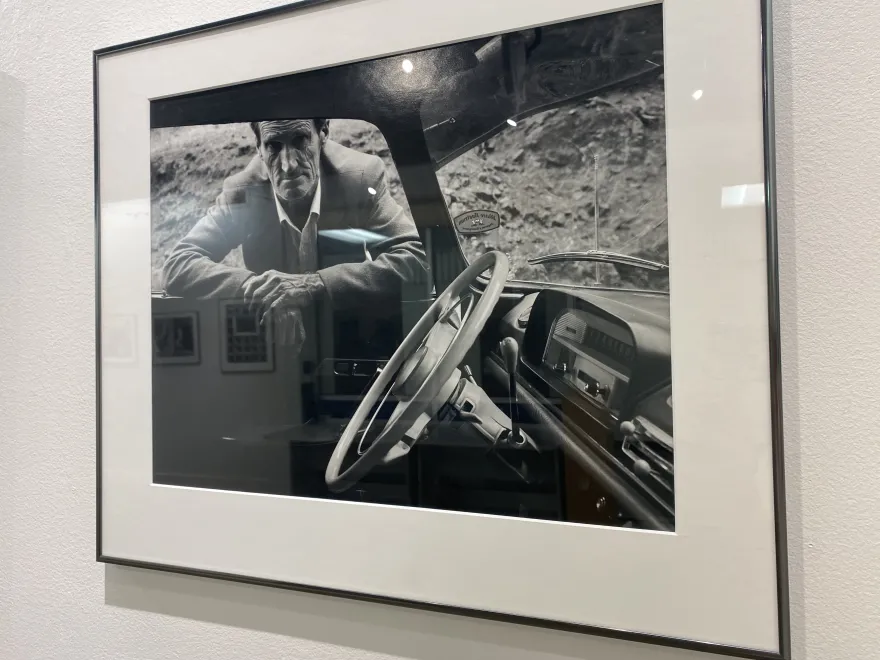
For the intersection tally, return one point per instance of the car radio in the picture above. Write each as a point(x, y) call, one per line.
point(591, 355)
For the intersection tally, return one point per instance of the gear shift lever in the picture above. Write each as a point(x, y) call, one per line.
point(510, 353)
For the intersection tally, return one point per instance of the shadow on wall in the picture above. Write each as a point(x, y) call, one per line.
point(12, 105)
point(376, 628)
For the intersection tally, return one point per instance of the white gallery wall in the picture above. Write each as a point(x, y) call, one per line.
point(56, 602)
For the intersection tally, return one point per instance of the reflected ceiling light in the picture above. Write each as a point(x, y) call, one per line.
point(697, 95)
point(511, 122)
point(407, 66)
point(371, 190)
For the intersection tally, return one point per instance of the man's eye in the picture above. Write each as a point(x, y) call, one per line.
point(273, 146)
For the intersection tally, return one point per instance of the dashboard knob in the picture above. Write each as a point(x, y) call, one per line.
point(596, 389)
point(627, 428)
point(642, 468)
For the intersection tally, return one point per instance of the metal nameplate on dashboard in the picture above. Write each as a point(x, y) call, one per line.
point(472, 223)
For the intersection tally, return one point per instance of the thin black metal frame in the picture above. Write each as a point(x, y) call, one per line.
point(782, 587)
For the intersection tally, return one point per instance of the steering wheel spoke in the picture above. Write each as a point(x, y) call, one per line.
point(412, 435)
point(450, 314)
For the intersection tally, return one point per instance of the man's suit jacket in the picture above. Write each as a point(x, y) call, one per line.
point(354, 196)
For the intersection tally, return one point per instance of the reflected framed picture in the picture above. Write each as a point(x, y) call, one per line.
point(246, 341)
point(120, 339)
point(505, 277)
point(176, 338)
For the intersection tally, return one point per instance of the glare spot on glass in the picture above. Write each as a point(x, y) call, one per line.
point(697, 95)
point(407, 66)
point(751, 194)
point(511, 122)
point(371, 190)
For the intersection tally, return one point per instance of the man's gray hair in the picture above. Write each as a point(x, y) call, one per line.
point(320, 124)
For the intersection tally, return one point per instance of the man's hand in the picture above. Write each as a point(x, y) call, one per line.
point(283, 295)
point(274, 289)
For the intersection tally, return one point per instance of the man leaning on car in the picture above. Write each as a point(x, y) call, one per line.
point(300, 183)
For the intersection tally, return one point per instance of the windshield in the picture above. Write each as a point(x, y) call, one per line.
point(563, 152)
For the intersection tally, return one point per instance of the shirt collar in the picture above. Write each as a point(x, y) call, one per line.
point(315, 209)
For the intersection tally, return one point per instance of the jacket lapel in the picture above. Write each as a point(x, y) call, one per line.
point(264, 247)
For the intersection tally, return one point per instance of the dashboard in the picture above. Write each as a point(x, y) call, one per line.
point(591, 356)
point(600, 361)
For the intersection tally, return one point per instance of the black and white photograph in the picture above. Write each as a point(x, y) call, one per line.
point(484, 301)
point(246, 342)
point(176, 338)
point(440, 279)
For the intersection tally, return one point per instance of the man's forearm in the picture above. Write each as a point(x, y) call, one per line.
point(358, 284)
point(194, 275)
point(194, 267)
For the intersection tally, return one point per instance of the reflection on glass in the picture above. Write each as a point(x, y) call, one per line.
point(334, 324)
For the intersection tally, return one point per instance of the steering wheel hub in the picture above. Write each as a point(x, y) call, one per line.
point(414, 372)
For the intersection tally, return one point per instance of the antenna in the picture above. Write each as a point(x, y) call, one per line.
point(595, 158)
point(596, 205)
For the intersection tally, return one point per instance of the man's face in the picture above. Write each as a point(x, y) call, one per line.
point(291, 151)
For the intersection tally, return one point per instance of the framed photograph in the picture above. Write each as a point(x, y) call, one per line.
point(504, 277)
point(176, 338)
point(246, 342)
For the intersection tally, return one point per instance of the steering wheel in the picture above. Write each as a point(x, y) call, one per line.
point(422, 367)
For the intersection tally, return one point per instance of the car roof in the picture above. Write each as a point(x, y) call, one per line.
point(458, 94)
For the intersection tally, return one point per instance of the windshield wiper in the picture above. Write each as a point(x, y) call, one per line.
point(599, 256)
